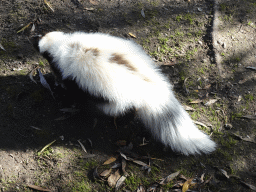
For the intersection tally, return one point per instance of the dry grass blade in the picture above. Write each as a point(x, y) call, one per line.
point(82, 145)
point(23, 28)
point(38, 188)
point(94, 2)
point(169, 178)
point(196, 101)
point(199, 123)
point(1, 46)
point(110, 160)
point(49, 5)
point(132, 35)
point(45, 147)
point(44, 82)
point(36, 128)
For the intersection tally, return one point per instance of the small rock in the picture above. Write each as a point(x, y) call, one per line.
point(199, 9)
point(224, 45)
point(228, 126)
point(19, 56)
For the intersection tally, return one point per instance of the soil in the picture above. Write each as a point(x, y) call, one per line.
point(207, 48)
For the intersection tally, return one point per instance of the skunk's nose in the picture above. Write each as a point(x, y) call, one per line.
point(34, 40)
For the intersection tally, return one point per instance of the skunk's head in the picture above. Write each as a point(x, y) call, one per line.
point(35, 41)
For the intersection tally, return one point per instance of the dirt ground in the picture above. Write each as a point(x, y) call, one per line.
point(207, 49)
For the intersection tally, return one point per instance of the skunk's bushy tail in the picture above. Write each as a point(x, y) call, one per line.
point(173, 127)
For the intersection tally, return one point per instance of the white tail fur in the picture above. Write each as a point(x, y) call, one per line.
point(121, 72)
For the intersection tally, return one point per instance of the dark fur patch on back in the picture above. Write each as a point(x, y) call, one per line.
point(121, 61)
point(95, 51)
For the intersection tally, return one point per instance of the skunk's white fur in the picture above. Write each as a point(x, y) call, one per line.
point(122, 73)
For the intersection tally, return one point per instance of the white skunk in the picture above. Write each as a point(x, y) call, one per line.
point(122, 73)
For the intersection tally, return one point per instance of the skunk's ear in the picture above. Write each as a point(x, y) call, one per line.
point(34, 40)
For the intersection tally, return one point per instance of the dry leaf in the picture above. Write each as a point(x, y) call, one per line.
point(132, 35)
point(249, 186)
point(89, 9)
point(244, 139)
point(207, 86)
point(106, 173)
point(141, 189)
point(188, 108)
point(224, 173)
point(94, 2)
point(142, 13)
point(113, 178)
point(242, 81)
point(116, 165)
point(249, 116)
point(120, 182)
point(239, 98)
point(33, 72)
point(33, 28)
point(153, 187)
point(169, 178)
point(196, 101)
point(253, 68)
point(210, 102)
point(186, 185)
point(140, 163)
point(110, 160)
point(49, 5)
point(38, 188)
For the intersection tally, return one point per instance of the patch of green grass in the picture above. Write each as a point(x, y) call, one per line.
point(223, 6)
point(133, 182)
point(41, 63)
point(90, 164)
point(249, 97)
point(82, 186)
point(178, 18)
point(236, 115)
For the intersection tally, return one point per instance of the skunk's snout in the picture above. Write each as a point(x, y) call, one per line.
point(35, 40)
